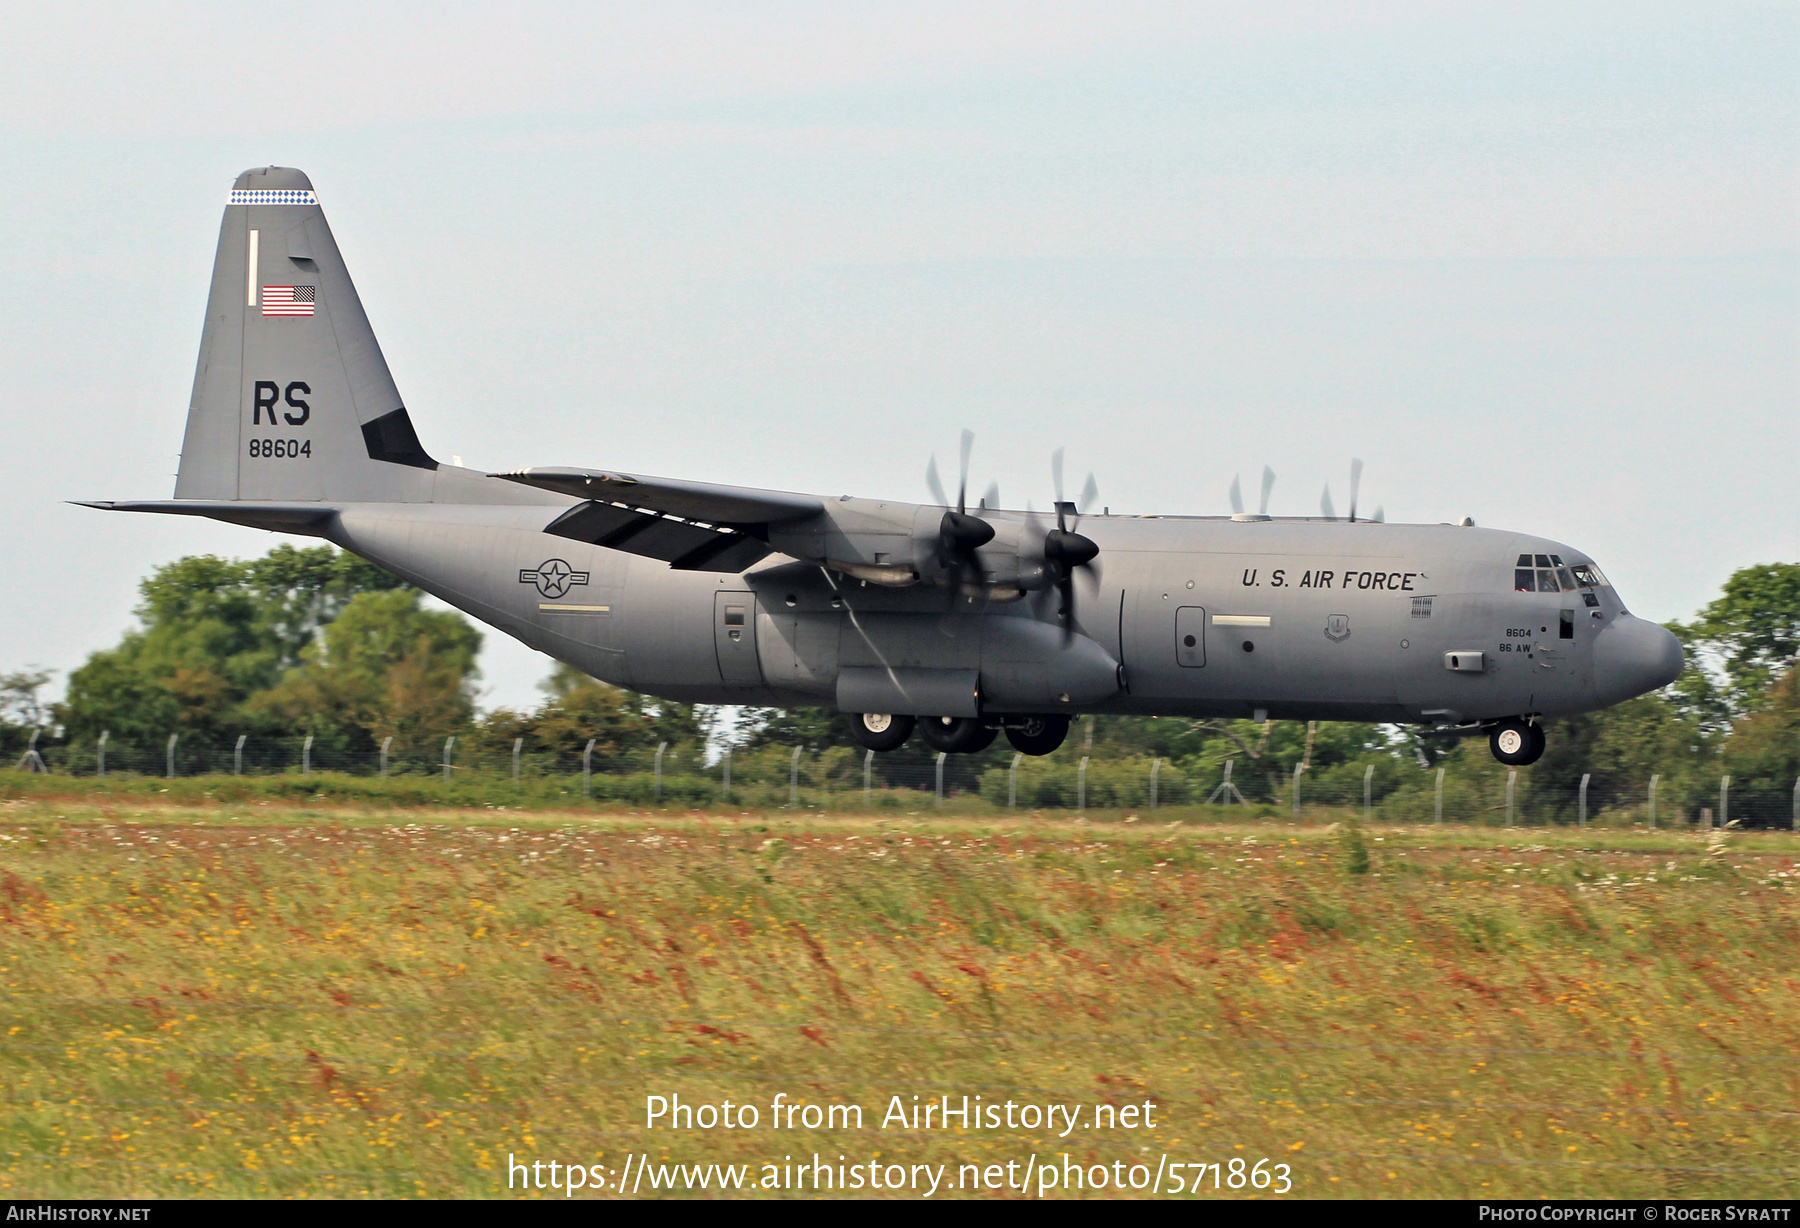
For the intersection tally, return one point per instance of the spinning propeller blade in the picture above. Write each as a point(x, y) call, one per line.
point(1065, 550)
point(960, 535)
point(931, 480)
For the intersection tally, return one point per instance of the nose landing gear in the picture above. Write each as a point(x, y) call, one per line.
point(1516, 742)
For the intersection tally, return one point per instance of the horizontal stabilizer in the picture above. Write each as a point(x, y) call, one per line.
point(729, 506)
point(277, 517)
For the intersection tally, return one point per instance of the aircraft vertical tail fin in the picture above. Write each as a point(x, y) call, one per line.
point(292, 398)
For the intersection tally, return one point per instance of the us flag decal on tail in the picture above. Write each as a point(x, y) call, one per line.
point(288, 300)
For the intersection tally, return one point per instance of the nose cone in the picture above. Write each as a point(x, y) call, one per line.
point(1632, 657)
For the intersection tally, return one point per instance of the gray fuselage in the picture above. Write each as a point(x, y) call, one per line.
point(1292, 619)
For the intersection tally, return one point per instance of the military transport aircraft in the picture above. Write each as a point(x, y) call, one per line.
point(957, 622)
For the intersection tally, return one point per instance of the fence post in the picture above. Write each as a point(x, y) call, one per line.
point(1369, 791)
point(1155, 771)
point(518, 745)
point(31, 761)
point(1653, 781)
point(1724, 801)
point(1081, 784)
point(107, 733)
point(660, 748)
point(1794, 820)
point(1512, 774)
point(449, 746)
point(794, 778)
point(587, 766)
point(173, 738)
point(727, 773)
point(1298, 768)
point(237, 756)
point(1226, 789)
point(306, 757)
point(385, 743)
point(940, 778)
point(1437, 801)
point(1584, 783)
point(868, 777)
point(1012, 783)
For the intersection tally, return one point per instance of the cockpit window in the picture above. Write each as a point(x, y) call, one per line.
point(1547, 573)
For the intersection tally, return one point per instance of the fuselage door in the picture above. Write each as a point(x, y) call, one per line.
point(1190, 636)
point(734, 638)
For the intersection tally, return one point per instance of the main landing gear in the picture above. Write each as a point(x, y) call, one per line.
point(879, 730)
point(1037, 735)
point(1517, 742)
point(958, 735)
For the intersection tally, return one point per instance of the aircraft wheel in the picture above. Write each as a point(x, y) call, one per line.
point(956, 735)
point(880, 731)
point(1038, 735)
point(1517, 743)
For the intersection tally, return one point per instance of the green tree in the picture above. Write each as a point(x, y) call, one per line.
point(384, 667)
point(815, 729)
point(212, 633)
point(622, 724)
point(1746, 639)
point(1763, 755)
point(1620, 748)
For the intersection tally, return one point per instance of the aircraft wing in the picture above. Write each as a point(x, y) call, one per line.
point(688, 525)
point(728, 506)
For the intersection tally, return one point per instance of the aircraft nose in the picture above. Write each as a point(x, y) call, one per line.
point(1634, 656)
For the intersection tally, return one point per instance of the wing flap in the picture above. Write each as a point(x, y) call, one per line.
point(682, 544)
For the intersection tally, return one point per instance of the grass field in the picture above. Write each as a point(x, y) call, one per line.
point(268, 1000)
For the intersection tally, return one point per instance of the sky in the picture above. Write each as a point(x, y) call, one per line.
point(1538, 264)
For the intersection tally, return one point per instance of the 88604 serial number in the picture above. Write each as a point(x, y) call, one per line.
point(287, 449)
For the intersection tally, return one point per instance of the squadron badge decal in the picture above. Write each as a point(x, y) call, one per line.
point(553, 577)
point(1337, 627)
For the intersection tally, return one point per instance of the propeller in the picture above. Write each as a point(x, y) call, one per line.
point(1355, 484)
point(1325, 506)
point(991, 500)
point(1065, 549)
point(1237, 496)
point(960, 535)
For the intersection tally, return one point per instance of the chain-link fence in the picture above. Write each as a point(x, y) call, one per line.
point(1377, 788)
